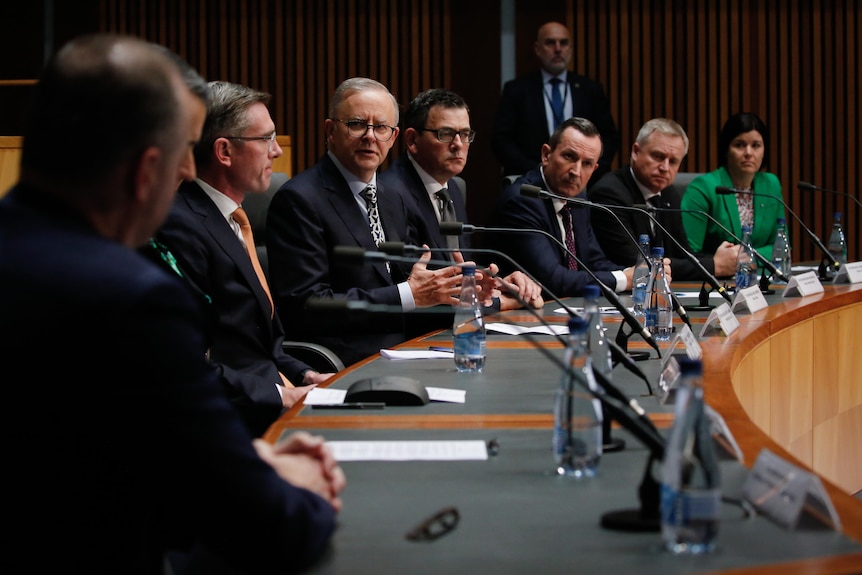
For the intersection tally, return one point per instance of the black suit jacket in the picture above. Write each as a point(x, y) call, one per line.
point(152, 452)
point(309, 216)
point(618, 188)
point(543, 257)
point(404, 178)
point(520, 125)
point(246, 339)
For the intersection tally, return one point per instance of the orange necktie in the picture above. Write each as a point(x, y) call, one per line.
point(240, 217)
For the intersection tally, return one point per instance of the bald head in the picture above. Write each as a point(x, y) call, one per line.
point(553, 47)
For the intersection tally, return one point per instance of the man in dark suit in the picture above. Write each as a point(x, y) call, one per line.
point(148, 452)
point(234, 157)
point(568, 161)
point(437, 138)
point(656, 155)
point(534, 104)
point(340, 202)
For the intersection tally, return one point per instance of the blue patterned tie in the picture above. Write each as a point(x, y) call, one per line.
point(556, 101)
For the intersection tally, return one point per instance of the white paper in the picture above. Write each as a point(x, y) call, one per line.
point(692, 294)
point(409, 450)
point(511, 329)
point(324, 396)
point(399, 354)
point(446, 394)
point(579, 310)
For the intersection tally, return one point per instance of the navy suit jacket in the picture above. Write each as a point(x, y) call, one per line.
point(545, 258)
point(151, 451)
point(619, 188)
point(521, 128)
point(310, 215)
point(402, 176)
point(246, 339)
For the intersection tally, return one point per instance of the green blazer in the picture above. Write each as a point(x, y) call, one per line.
point(704, 235)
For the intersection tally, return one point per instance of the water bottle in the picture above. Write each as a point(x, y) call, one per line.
point(690, 479)
point(781, 251)
point(577, 441)
point(746, 267)
point(837, 245)
point(640, 277)
point(600, 351)
point(659, 307)
point(469, 326)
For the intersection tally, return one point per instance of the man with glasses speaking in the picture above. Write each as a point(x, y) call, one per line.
point(339, 202)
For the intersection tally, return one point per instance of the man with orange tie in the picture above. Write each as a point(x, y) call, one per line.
point(208, 233)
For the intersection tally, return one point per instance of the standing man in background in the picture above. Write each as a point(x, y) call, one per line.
point(534, 104)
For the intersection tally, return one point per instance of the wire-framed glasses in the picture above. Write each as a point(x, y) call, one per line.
point(447, 135)
point(358, 129)
point(269, 139)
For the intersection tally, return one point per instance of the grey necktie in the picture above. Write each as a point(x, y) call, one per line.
point(447, 214)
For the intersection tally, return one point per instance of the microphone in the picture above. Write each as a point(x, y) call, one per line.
point(458, 228)
point(537, 192)
point(617, 353)
point(725, 191)
point(811, 187)
point(763, 259)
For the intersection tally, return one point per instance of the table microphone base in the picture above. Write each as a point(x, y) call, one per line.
point(612, 444)
point(648, 517)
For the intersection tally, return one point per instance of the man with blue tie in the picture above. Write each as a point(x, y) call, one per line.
point(534, 104)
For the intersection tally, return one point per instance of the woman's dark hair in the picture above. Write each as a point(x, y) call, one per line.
point(740, 124)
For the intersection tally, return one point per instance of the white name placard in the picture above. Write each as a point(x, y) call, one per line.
point(803, 285)
point(720, 318)
point(749, 299)
point(849, 273)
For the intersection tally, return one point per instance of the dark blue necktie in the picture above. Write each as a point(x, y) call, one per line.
point(556, 101)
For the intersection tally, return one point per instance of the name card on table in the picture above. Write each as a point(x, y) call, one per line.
point(849, 273)
point(788, 495)
point(669, 376)
point(750, 299)
point(720, 317)
point(803, 285)
point(728, 448)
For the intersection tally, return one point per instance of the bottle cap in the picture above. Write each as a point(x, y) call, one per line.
point(688, 366)
point(468, 270)
point(781, 221)
point(591, 291)
point(837, 215)
point(577, 324)
point(643, 238)
point(657, 252)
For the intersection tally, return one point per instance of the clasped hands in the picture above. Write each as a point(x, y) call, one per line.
point(443, 286)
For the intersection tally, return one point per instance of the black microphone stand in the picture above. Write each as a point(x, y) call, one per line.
point(610, 295)
point(827, 260)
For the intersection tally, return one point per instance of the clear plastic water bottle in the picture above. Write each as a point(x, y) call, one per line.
point(837, 245)
point(640, 277)
point(746, 266)
point(600, 351)
point(690, 478)
point(469, 326)
point(781, 251)
point(577, 441)
point(659, 307)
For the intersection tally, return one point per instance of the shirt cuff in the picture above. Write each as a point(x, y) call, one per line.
point(406, 295)
point(622, 282)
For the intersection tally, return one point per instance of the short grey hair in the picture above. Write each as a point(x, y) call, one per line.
point(227, 115)
point(359, 84)
point(662, 126)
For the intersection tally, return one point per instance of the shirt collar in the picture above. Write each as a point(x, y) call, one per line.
point(357, 186)
point(432, 186)
point(225, 205)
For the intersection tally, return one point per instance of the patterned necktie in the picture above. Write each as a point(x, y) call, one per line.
point(556, 101)
point(240, 217)
point(370, 194)
point(447, 214)
point(566, 214)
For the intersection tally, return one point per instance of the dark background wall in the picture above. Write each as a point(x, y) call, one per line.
point(794, 62)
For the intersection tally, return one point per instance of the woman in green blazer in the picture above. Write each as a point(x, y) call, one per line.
point(743, 145)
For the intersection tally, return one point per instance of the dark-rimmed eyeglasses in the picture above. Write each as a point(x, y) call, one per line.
point(270, 139)
point(358, 129)
point(447, 135)
point(435, 526)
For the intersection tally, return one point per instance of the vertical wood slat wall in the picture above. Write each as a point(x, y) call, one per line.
point(794, 62)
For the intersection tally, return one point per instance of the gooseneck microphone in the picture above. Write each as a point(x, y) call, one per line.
point(725, 191)
point(617, 353)
point(812, 188)
point(458, 228)
point(763, 259)
point(537, 192)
